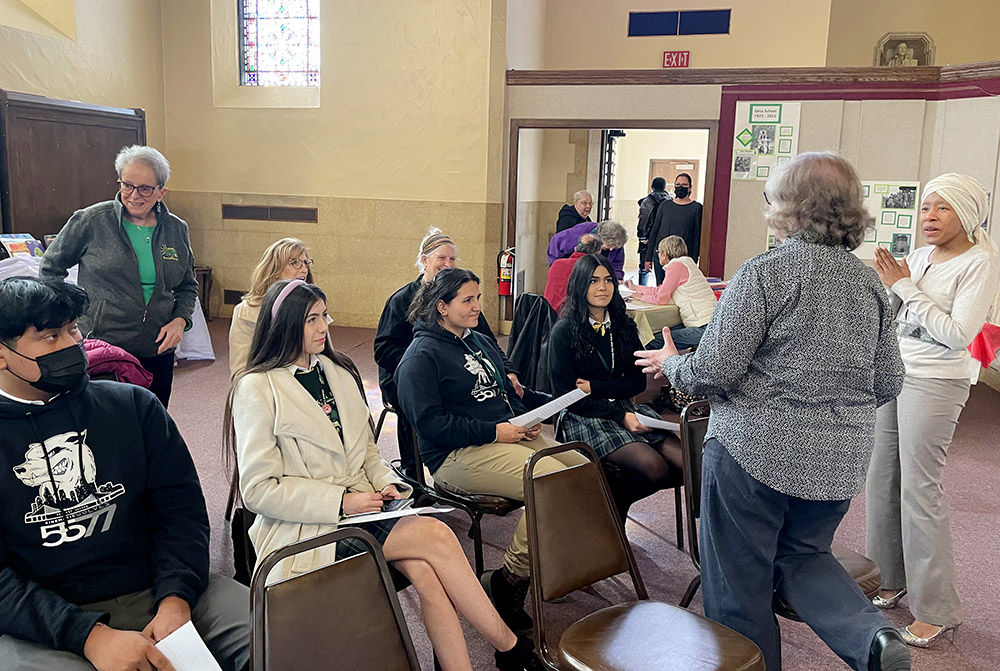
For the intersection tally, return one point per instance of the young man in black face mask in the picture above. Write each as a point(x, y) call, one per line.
point(680, 216)
point(103, 527)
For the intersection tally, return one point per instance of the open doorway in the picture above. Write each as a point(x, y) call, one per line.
point(550, 160)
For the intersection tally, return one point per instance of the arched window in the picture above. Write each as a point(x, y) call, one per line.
point(279, 42)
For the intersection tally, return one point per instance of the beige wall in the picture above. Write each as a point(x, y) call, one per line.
point(116, 58)
point(593, 34)
point(408, 135)
point(964, 31)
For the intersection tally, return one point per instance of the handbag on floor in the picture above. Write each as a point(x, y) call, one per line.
point(244, 556)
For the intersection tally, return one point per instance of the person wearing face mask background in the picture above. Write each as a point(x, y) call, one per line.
point(136, 263)
point(680, 216)
point(103, 526)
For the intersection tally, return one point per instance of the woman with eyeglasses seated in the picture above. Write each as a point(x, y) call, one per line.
point(299, 426)
point(135, 263)
point(285, 259)
point(590, 348)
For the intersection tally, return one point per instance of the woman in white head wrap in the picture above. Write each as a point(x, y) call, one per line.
point(944, 292)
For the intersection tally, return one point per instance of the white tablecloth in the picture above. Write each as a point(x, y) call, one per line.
point(196, 344)
point(651, 318)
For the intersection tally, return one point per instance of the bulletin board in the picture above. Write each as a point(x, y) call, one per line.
point(764, 135)
point(894, 214)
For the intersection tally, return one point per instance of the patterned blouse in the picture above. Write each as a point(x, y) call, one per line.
point(800, 351)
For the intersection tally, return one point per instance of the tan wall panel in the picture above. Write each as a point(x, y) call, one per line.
point(593, 34)
point(116, 60)
point(613, 102)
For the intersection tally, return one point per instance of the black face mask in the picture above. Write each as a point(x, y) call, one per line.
point(682, 191)
point(61, 371)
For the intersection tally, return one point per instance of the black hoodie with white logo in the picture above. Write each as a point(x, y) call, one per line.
point(449, 389)
point(99, 498)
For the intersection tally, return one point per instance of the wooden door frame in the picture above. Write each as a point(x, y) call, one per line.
point(711, 125)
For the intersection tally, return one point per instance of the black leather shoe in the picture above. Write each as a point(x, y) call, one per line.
point(508, 600)
point(888, 652)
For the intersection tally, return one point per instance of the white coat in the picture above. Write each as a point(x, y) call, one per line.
point(294, 468)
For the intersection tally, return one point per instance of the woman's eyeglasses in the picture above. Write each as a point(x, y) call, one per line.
point(298, 263)
point(766, 199)
point(144, 189)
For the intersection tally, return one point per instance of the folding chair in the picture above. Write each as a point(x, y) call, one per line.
point(575, 539)
point(343, 616)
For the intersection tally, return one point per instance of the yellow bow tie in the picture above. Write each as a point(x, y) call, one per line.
point(600, 329)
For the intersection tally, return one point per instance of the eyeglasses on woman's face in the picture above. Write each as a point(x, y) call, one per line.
point(299, 263)
point(144, 190)
point(766, 199)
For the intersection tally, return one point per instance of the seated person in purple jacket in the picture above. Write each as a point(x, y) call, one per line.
point(612, 233)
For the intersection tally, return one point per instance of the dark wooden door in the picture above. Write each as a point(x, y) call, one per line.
point(57, 156)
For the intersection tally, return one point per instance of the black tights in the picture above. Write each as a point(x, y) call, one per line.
point(637, 470)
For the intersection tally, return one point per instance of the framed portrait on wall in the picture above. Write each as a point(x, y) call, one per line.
point(897, 50)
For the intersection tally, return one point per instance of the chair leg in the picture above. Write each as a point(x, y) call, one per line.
point(691, 591)
point(381, 420)
point(234, 485)
point(679, 513)
point(477, 543)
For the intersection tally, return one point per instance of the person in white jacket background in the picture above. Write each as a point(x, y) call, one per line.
point(942, 294)
point(299, 425)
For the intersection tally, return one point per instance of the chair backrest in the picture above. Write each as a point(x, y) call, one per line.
point(575, 537)
point(694, 426)
point(343, 616)
point(418, 461)
point(533, 319)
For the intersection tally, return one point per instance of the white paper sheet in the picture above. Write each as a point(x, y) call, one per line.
point(186, 651)
point(543, 412)
point(625, 292)
point(657, 423)
point(375, 517)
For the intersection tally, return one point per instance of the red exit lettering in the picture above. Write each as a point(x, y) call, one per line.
point(676, 59)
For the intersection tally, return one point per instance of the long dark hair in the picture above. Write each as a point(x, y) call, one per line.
point(444, 287)
point(277, 343)
point(575, 309)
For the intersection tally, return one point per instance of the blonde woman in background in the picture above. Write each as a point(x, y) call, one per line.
point(286, 259)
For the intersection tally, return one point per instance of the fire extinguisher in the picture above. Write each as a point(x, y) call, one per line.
point(505, 272)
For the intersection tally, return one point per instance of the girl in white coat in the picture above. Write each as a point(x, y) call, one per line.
point(302, 433)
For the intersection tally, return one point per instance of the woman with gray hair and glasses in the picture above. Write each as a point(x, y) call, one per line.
point(799, 353)
point(136, 263)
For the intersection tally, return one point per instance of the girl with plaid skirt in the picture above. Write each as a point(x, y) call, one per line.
point(299, 426)
point(590, 348)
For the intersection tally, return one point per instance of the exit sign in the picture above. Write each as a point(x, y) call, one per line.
point(676, 59)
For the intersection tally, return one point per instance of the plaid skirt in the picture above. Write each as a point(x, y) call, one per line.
point(606, 435)
point(352, 546)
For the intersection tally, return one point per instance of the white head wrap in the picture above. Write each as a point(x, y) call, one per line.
point(970, 202)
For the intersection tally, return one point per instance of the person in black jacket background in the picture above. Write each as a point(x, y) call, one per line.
point(578, 212)
point(590, 348)
point(395, 332)
point(452, 390)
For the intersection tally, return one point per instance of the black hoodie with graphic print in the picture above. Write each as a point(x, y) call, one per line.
point(449, 389)
point(99, 498)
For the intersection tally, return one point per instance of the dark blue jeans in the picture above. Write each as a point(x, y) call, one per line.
point(755, 540)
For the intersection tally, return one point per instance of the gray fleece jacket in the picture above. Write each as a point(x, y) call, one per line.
point(109, 271)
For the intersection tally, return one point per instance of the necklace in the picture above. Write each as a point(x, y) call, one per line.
point(142, 230)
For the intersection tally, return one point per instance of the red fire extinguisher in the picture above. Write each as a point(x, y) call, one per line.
point(505, 272)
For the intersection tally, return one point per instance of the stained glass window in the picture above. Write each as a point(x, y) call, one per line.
point(279, 42)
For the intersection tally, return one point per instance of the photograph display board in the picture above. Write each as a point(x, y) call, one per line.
point(894, 211)
point(765, 134)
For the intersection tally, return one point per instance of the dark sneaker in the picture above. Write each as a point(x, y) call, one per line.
point(888, 652)
point(508, 600)
point(519, 658)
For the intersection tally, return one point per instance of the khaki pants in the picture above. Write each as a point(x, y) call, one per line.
point(498, 468)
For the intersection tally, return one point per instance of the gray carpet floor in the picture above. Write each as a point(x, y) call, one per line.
point(199, 395)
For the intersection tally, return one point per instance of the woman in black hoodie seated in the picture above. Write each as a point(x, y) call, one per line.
point(452, 389)
point(590, 348)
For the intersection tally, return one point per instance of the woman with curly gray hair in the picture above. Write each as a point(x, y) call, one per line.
point(799, 353)
point(136, 263)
